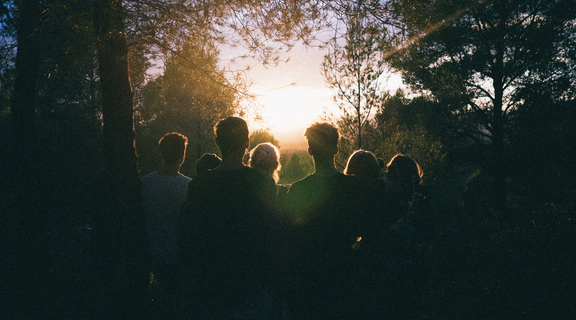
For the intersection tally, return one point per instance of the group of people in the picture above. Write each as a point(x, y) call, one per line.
point(232, 243)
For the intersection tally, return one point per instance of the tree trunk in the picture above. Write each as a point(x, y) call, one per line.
point(26, 245)
point(26, 74)
point(120, 229)
point(359, 119)
point(498, 162)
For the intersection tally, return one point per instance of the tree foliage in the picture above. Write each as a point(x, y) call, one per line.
point(295, 166)
point(478, 58)
point(188, 98)
point(354, 69)
point(403, 126)
point(261, 136)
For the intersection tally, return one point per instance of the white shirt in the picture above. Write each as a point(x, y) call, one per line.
point(163, 199)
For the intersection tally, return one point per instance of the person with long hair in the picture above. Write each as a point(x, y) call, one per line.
point(404, 175)
point(363, 164)
point(408, 238)
point(265, 157)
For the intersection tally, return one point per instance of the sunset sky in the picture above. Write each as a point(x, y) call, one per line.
point(293, 95)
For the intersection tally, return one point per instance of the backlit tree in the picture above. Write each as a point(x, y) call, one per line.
point(478, 58)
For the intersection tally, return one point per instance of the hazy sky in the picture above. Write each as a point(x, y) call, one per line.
point(293, 95)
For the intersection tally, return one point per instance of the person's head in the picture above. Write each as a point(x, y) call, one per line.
point(231, 136)
point(173, 148)
point(322, 139)
point(206, 162)
point(363, 164)
point(266, 158)
point(404, 172)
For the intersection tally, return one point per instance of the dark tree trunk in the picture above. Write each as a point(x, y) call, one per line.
point(120, 226)
point(26, 74)
point(498, 162)
point(27, 255)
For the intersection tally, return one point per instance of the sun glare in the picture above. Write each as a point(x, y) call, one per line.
point(287, 112)
point(293, 95)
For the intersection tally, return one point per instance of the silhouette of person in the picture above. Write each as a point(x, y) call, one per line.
point(265, 157)
point(404, 175)
point(379, 216)
point(363, 164)
point(323, 210)
point(227, 235)
point(164, 191)
point(406, 239)
point(206, 162)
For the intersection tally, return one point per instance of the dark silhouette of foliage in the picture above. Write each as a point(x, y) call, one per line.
point(476, 58)
point(184, 99)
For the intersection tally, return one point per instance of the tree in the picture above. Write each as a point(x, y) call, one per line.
point(402, 126)
point(188, 98)
point(355, 70)
point(194, 91)
point(120, 227)
point(261, 27)
point(28, 250)
point(295, 166)
point(478, 58)
point(541, 143)
point(23, 104)
point(261, 136)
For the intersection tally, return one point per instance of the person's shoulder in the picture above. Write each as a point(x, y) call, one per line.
point(184, 178)
point(347, 183)
point(345, 178)
point(334, 180)
point(309, 179)
point(282, 189)
point(150, 178)
point(255, 175)
point(251, 172)
point(205, 178)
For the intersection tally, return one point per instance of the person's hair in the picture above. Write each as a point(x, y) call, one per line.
point(173, 147)
point(231, 135)
point(363, 164)
point(404, 172)
point(206, 162)
point(322, 138)
point(266, 158)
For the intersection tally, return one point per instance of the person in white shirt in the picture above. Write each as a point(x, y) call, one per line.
point(164, 191)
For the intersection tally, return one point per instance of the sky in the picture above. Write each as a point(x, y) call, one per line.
point(292, 95)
